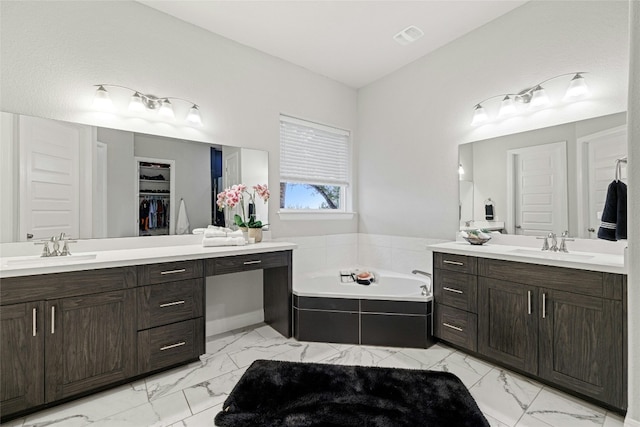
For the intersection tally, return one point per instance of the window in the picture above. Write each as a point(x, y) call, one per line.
point(314, 166)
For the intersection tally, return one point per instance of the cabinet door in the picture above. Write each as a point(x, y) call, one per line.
point(21, 356)
point(90, 342)
point(507, 323)
point(581, 344)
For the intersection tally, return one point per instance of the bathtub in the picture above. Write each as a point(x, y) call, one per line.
point(387, 286)
point(392, 311)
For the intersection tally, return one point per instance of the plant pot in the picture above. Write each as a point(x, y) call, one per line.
point(255, 233)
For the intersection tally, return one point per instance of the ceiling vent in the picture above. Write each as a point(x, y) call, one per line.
point(408, 35)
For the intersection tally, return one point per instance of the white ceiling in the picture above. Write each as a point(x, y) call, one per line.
point(348, 41)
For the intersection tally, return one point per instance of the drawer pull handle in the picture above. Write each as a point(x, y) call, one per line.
point(168, 347)
point(35, 328)
point(452, 327)
point(446, 261)
point(529, 302)
point(457, 291)
point(180, 270)
point(544, 305)
point(169, 304)
point(252, 262)
point(53, 319)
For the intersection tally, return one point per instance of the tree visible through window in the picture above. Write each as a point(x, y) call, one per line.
point(314, 163)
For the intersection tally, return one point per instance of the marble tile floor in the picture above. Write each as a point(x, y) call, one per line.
point(191, 396)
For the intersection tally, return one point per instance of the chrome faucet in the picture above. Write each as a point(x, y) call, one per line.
point(55, 242)
point(565, 238)
point(554, 242)
point(545, 244)
point(425, 290)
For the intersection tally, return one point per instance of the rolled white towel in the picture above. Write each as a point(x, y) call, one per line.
point(223, 241)
point(214, 232)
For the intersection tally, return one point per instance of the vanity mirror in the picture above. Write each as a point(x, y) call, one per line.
point(546, 180)
point(90, 182)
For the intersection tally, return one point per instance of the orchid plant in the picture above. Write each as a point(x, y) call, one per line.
point(235, 195)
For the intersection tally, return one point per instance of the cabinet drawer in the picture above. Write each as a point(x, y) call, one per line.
point(169, 302)
point(455, 289)
point(234, 264)
point(169, 272)
point(456, 326)
point(460, 263)
point(169, 345)
point(61, 285)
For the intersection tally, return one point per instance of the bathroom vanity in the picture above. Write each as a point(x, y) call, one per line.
point(72, 329)
point(563, 324)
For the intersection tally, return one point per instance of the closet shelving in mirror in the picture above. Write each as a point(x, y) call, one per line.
point(155, 198)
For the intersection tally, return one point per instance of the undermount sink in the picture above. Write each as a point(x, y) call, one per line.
point(54, 260)
point(552, 255)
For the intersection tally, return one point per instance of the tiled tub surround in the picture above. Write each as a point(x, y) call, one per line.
point(395, 310)
point(191, 395)
point(340, 251)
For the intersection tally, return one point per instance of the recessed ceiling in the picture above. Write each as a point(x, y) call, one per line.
point(348, 41)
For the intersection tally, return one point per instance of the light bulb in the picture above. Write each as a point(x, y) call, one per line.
point(102, 100)
point(166, 110)
point(539, 98)
point(577, 88)
point(193, 117)
point(507, 107)
point(479, 115)
point(136, 103)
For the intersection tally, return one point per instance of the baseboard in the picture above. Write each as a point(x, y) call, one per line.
point(628, 422)
point(226, 324)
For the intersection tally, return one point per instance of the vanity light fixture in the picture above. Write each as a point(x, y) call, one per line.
point(535, 96)
point(141, 102)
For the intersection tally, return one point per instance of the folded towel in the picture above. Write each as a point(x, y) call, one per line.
point(223, 241)
point(198, 230)
point(609, 219)
point(213, 232)
point(237, 233)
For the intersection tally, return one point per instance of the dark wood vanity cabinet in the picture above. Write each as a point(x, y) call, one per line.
point(65, 334)
point(170, 314)
point(508, 323)
point(561, 325)
point(68, 334)
point(22, 356)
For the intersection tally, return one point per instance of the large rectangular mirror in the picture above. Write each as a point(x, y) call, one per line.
point(546, 180)
point(93, 182)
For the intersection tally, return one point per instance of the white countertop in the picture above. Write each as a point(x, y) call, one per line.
point(126, 257)
point(608, 263)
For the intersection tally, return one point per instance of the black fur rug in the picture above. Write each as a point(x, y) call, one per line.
point(273, 393)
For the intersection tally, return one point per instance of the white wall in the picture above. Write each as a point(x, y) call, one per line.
point(411, 122)
point(52, 53)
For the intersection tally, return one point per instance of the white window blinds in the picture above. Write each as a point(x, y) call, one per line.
point(313, 154)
